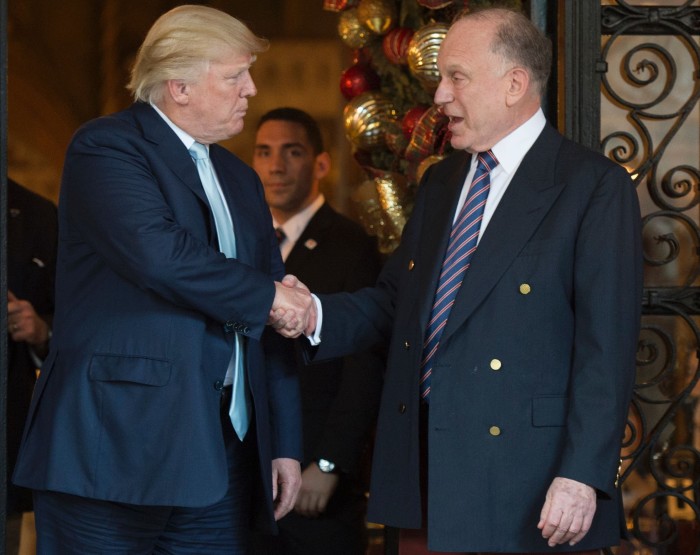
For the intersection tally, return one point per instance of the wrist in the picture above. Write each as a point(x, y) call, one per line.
point(326, 466)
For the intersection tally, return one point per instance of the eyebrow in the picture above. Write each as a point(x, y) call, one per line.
point(285, 145)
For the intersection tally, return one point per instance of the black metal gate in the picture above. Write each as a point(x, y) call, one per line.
point(649, 66)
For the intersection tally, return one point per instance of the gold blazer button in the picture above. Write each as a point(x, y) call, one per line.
point(495, 431)
point(525, 288)
point(411, 265)
point(495, 364)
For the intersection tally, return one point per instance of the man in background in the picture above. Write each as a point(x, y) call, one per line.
point(329, 253)
point(165, 410)
point(32, 233)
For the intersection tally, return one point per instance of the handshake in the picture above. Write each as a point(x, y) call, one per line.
point(293, 310)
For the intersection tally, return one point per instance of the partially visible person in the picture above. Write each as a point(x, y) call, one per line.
point(165, 411)
point(329, 253)
point(31, 267)
point(512, 307)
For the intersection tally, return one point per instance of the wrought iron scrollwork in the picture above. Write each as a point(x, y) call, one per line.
point(659, 451)
point(651, 20)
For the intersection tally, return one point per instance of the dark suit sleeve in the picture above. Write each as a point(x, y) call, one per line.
point(284, 397)
point(127, 219)
point(361, 320)
point(607, 301)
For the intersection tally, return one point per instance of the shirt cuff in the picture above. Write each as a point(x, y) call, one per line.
point(315, 337)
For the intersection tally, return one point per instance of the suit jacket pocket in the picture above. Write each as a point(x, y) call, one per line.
point(549, 410)
point(134, 369)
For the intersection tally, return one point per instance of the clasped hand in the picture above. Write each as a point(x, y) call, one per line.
point(293, 310)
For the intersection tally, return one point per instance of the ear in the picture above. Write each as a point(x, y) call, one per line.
point(322, 165)
point(517, 85)
point(179, 91)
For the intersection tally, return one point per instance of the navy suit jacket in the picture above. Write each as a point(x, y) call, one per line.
point(535, 368)
point(127, 405)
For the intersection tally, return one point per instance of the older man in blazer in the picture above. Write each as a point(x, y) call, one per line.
point(515, 418)
point(163, 292)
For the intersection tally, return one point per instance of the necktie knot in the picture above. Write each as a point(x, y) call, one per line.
point(281, 235)
point(198, 151)
point(486, 161)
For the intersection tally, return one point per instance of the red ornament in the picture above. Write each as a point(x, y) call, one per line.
point(395, 44)
point(338, 5)
point(411, 118)
point(358, 79)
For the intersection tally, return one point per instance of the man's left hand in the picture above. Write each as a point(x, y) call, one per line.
point(316, 490)
point(286, 481)
point(568, 512)
point(24, 324)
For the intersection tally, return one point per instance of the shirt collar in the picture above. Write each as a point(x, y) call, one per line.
point(185, 137)
point(510, 150)
point(295, 226)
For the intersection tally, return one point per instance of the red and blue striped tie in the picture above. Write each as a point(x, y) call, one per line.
point(461, 247)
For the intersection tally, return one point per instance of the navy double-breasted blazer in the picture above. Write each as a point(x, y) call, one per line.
point(127, 405)
point(535, 368)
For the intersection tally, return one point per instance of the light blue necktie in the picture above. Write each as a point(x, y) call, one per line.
point(460, 248)
point(239, 410)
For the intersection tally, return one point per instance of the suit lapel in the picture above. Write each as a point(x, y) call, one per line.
point(527, 200)
point(170, 148)
point(173, 152)
point(439, 208)
point(313, 233)
point(239, 202)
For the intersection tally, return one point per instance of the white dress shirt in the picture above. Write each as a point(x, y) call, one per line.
point(295, 226)
point(509, 152)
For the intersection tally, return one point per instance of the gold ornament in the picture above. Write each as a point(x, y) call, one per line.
point(369, 211)
point(366, 118)
point(382, 209)
point(426, 163)
point(391, 188)
point(377, 15)
point(422, 54)
point(351, 30)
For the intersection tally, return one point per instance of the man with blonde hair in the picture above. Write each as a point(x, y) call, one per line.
point(165, 410)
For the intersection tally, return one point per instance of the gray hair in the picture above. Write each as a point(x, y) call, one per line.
point(182, 43)
point(518, 41)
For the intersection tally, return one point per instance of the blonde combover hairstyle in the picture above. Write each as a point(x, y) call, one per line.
point(182, 43)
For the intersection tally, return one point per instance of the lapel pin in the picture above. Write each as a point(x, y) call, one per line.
point(14, 212)
point(311, 244)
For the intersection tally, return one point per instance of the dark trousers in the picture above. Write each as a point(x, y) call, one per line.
point(68, 524)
